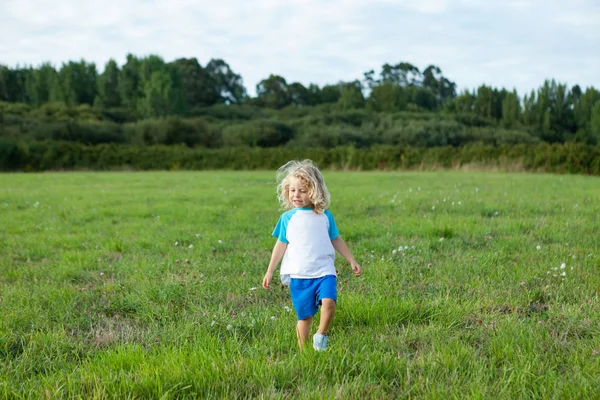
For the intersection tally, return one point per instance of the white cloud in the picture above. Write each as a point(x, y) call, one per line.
point(511, 43)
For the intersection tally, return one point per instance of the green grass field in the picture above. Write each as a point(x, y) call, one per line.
point(475, 285)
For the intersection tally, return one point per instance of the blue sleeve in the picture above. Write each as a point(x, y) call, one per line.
point(280, 231)
point(333, 230)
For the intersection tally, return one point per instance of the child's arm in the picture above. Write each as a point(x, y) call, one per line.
point(341, 248)
point(276, 256)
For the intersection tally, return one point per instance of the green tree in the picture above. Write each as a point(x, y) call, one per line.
point(488, 102)
point(39, 84)
point(443, 88)
point(130, 86)
point(77, 82)
point(387, 97)
point(511, 109)
point(12, 84)
point(273, 92)
point(156, 95)
point(595, 124)
point(422, 98)
point(583, 105)
point(351, 96)
point(199, 89)
point(408, 74)
point(108, 85)
point(331, 93)
point(314, 94)
point(299, 95)
point(554, 119)
point(463, 103)
point(230, 86)
point(176, 99)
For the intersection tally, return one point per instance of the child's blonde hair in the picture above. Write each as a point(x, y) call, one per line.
point(307, 171)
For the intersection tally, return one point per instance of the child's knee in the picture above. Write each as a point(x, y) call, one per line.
point(328, 303)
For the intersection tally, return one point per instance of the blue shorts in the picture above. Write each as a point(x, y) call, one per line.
point(308, 293)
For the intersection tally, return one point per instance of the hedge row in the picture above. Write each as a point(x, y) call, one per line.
point(51, 155)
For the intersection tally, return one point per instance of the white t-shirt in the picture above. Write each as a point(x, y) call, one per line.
point(309, 253)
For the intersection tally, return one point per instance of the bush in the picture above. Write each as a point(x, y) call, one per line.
point(258, 134)
point(172, 130)
point(52, 155)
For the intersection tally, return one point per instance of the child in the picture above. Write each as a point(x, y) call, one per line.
point(307, 239)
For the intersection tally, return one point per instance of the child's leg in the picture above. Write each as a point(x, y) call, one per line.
point(327, 312)
point(303, 331)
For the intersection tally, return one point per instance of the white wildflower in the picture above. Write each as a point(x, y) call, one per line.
point(563, 266)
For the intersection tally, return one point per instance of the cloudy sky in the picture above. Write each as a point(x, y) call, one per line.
point(503, 43)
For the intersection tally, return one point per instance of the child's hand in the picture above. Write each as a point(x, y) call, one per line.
point(356, 269)
point(266, 281)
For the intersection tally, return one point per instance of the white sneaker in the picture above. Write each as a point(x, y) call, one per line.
point(320, 342)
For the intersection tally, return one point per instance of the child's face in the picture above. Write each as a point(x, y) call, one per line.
point(299, 193)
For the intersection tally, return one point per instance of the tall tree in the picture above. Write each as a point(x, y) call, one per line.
point(77, 82)
point(511, 109)
point(443, 88)
point(156, 95)
point(488, 102)
point(331, 93)
point(198, 87)
point(39, 84)
point(530, 109)
point(595, 124)
point(273, 92)
point(463, 103)
point(583, 105)
point(408, 74)
point(554, 112)
point(130, 86)
point(229, 84)
point(351, 96)
point(12, 84)
point(108, 85)
point(314, 94)
point(388, 97)
point(299, 95)
point(423, 98)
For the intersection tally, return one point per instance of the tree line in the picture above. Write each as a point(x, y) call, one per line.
point(149, 101)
